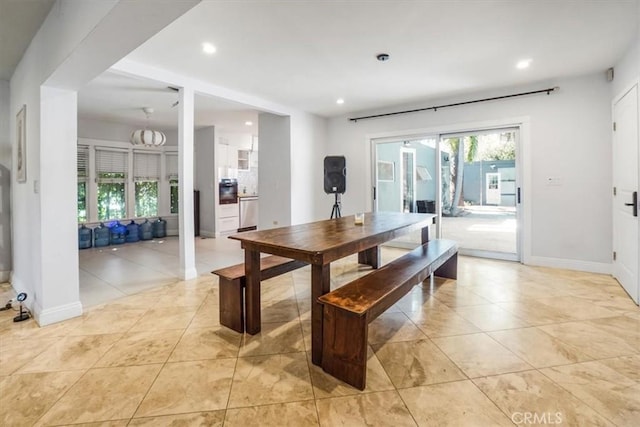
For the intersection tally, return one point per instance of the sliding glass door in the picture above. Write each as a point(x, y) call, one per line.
point(470, 180)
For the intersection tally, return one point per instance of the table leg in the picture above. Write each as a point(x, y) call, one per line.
point(252, 291)
point(425, 234)
point(370, 257)
point(320, 285)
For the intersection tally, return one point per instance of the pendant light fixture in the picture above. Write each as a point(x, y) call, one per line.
point(153, 138)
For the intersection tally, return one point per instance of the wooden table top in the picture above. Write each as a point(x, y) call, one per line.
point(324, 241)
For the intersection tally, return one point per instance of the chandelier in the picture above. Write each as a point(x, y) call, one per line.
point(153, 138)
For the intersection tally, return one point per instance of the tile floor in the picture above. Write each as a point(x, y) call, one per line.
point(505, 344)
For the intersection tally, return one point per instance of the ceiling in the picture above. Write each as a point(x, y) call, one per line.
point(307, 54)
point(113, 97)
point(19, 21)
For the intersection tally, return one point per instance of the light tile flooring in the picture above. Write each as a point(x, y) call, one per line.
point(505, 344)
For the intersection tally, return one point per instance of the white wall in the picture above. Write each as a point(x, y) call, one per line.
point(274, 173)
point(205, 179)
point(308, 142)
point(5, 184)
point(627, 70)
point(568, 137)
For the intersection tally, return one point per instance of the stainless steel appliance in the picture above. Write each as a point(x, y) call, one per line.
point(228, 191)
point(248, 213)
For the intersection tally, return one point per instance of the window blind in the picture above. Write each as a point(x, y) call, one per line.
point(111, 162)
point(82, 162)
point(172, 165)
point(146, 166)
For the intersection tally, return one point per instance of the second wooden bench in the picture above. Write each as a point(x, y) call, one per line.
point(233, 281)
point(347, 311)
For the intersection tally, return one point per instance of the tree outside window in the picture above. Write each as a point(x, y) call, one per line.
point(111, 196)
point(173, 188)
point(146, 198)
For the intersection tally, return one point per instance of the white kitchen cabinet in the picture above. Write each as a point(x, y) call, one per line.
point(229, 218)
point(243, 160)
point(253, 159)
point(227, 156)
point(230, 224)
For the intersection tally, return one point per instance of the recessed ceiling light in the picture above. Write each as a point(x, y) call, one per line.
point(340, 101)
point(521, 65)
point(248, 123)
point(208, 48)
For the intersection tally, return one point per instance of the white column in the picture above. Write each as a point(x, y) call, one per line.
point(185, 185)
point(56, 296)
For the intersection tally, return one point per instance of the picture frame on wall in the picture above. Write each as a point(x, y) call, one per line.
point(21, 144)
point(386, 171)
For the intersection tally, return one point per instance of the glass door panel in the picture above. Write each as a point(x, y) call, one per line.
point(405, 179)
point(479, 189)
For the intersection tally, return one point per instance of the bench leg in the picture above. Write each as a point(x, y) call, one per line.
point(231, 299)
point(344, 351)
point(449, 269)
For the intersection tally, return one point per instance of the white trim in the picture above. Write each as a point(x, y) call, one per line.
point(188, 274)
point(622, 93)
point(57, 314)
point(571, 264)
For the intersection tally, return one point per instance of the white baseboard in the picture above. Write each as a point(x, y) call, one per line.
point(57, 314)
point(207, 233)
point(571, 264)
point(188, 274)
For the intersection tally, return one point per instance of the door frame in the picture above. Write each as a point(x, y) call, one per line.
point(412, 152)
point(524, 179)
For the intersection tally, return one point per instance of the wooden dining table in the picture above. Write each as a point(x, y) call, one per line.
point(318, 244)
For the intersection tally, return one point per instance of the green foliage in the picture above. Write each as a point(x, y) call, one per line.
point(111, 201)
point(146, 198)
point(173, 195)
point(505, 151)
point(82, 201)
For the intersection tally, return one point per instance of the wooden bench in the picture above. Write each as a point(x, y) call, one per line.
point(349, 309)
point(233, 282)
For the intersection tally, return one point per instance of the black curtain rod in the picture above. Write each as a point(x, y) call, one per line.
point(435, 108)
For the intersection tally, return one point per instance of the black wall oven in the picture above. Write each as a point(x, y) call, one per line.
point(228, 191)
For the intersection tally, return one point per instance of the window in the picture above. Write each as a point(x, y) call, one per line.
point(82, 161)
point(172, 176)
point(146, 174)
point(111, 176)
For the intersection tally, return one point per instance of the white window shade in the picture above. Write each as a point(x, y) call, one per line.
point(146, 166)
point(82, 162)
point(172, 165)
point(111, 162)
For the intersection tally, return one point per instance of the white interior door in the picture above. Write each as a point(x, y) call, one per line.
point(625, 200)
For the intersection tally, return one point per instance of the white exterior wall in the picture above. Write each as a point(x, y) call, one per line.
point(568, 137)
